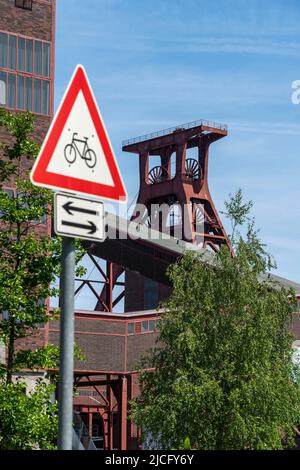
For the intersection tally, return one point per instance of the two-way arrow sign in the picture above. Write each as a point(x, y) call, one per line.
point(78, 217)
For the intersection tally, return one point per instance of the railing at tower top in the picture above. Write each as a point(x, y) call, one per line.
point(170, 130)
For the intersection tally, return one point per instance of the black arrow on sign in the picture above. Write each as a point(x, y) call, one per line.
point(91, 227)
point(70, 209)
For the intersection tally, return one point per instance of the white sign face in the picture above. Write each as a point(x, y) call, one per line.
point(78, 217)
point(83, 155)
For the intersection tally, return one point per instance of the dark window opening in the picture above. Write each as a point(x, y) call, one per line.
point(12, 58)
point(46, 59)
point(45, 97)
point(28, 94)
point(38, 58)
point(24, 93)
point(21, 54)
point(10, 193)
point(25, 55)
point(3, 49)
point(37, 96)
point(20, 94)
point(151, 298)
point(29, 55)
point(148, 325)
point(11, 90)
point(25, 4)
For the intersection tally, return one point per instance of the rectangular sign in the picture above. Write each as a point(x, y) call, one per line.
point(78, 217)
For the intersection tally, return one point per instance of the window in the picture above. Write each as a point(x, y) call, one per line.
point(45, 97)
point(10, 194)
point(24, 93)
point(21, 54)
point(24, 204)
point(42, 219)
point(38, 59)
point(17, 53)
point(21, 94)
point(130, 328)
point(11, 90)
point(46, 59)
point(148, 325)
point(25, 55)
point(12, 58)
point(3, 49)
point(28, 93)
point(3, 88)
point(37, 96)
point(150, 294)
point(25, 4)
point(29, 55)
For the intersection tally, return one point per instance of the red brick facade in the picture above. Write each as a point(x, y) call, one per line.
point(106, 342)
point(38, 24)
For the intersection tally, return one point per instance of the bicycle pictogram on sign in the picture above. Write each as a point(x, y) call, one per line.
point(72, 150)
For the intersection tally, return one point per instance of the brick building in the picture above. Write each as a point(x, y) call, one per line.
point(27, 47)
point(27, 40)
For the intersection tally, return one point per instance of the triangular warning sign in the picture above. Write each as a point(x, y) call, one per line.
point(77, 155)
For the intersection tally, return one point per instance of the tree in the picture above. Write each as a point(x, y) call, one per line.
point(237, 211)
point(222, 373)
point(29, 263)
point(35, 422)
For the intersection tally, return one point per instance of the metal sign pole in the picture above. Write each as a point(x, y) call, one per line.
point(66, 345)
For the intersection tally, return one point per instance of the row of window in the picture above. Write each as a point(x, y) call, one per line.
point(89, 393)
point(24, 93)
point(145, 326)
point(24, 54)
point(12, 193)
point(25, 4)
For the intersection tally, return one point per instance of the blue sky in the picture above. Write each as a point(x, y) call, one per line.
point(154, 64)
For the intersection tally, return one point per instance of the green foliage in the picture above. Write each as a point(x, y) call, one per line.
point(186, 444)
point(237, 211)
point(27, 420)
point(46, 357)
point(222, 372)
point(30, 261)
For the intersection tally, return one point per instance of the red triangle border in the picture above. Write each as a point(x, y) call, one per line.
point(41, 177)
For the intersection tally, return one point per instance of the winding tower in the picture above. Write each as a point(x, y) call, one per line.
point(173, 198)
point(183, 189)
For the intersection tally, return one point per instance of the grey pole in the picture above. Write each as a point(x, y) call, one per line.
point(66, 345)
